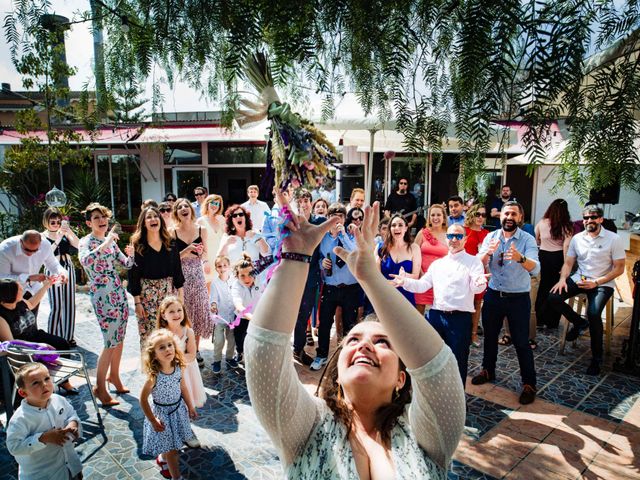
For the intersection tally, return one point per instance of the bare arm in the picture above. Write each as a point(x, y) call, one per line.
point(616, 271)
point(414, 339)
point(416, 258)
point(190, 352)
point(35, 300)
point(5, 331)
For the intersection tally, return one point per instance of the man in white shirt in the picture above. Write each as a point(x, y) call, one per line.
point(455, 279)
point(257, 208)
point(22, 257)
point(600, 256)
point(201, 195)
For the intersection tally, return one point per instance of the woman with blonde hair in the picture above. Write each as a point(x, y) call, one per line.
point(432, 241)
point(213, 221)
point(391, 403)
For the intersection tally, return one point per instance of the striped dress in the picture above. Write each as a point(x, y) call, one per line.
point(62, 296)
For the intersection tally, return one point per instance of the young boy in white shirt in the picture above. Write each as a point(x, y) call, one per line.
point(41, 432)
point(222, 306)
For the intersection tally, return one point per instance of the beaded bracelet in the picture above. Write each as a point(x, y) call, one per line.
point(298, 257)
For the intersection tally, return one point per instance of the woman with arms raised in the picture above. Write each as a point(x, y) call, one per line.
point(370, 422)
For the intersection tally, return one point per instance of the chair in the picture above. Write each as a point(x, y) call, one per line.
point(578, 303)
point(63, 370)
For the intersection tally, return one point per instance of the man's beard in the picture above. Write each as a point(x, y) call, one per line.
point(509, 225)
point(592, 227)
point(505, 197)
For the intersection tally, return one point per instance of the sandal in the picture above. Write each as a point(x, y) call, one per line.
point(533, 344)
point(505, 340)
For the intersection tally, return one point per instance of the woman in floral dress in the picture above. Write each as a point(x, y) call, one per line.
point(99, 254)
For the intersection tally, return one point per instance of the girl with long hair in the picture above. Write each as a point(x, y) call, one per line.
point(473, 225)
point(166, 425)
point(553, 234)
point(398, 252)
point(157, 270)
point(191, 242)
point(99, 255)
point(391, 402)
point(62, 296)
point(432, 241)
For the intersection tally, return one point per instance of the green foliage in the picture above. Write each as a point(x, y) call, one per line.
point(428, 63)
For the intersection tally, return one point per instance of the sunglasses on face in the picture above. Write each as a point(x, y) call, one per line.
point(590, 217)
point(356, 219)
point(481, 214)
point(55, 222)
point(402, 183)
point(171, 199)
point(165, 210)
point(457, 236)
point(236, 215)
point(198, 194)
point(28, 250)
point(215, 203)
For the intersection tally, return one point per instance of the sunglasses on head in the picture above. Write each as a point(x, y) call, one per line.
point(236, 215)
point(457, 236)
point(164, 210)
point(481, 214)
point(590, 217)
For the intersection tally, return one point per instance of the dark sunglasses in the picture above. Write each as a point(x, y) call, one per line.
point(28, 250)
point(590, 217)
point(480, 214)
point(171, 199)
point(214, 202)
point(164, 210)
point(403, 183)
point(55, 222)
point(236, 215)
point(198, 194)
point(357, 219)
point(457, 236)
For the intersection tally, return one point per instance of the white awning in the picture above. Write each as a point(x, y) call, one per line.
point(202, 134)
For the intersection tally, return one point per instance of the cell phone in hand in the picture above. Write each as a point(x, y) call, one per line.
point(64, 224)
point(115, 226)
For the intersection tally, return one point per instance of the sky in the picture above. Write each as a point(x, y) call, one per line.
point(79, 49)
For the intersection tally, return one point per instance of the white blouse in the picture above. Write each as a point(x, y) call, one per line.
point(313, 444)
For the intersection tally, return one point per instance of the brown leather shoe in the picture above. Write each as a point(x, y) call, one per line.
point(483, 377)
point(528, 394)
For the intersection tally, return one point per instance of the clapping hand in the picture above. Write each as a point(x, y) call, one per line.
point(512, 254)
point(361, 261)
point(398, 280)
point(493, 246)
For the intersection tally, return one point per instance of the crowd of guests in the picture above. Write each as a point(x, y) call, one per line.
point(197, 270)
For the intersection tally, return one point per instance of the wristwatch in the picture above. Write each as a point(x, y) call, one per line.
point(522, 259)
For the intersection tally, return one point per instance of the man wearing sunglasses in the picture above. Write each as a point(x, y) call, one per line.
point(455, 279)
point(402, 201)
point(600, 256)
point(257, 208)
point(201, 194)
point(22, 258)
point(511, 256)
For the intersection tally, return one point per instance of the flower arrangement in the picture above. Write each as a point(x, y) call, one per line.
point(297, 152)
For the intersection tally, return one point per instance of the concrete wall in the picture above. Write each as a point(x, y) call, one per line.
point(545, 180)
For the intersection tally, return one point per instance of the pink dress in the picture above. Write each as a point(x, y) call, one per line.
point(431, 249)
point(192, 376)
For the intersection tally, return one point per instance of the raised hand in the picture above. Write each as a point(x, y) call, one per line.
point(129, 251)
point(512, 254)
point(493, 246)
point(361, 261)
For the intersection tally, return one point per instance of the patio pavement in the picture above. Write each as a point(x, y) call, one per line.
point(579, 427)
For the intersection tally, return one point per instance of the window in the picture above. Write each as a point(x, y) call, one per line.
point(243, 154)
point(183, 154)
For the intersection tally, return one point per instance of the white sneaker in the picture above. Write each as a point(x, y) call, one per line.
point(318, 363)
point(193, 443)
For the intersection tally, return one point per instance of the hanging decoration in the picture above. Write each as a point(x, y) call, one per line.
point(297, 152)
point(55, 198)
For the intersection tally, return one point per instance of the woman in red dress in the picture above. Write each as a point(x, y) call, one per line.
point(432, 241)
point(473, 225)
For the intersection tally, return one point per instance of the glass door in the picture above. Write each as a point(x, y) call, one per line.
point(185, 180)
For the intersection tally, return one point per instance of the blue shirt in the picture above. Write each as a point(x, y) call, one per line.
point(453, 220)
point(511, 276)
point(340, 275)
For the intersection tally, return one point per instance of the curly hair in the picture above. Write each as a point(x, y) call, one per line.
point(150, 364)
point(470, 217)
point(388, 239)
point(166, 303)
point(139, 237)
point(230, 229)
point(330, 390)
point(92, 207)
